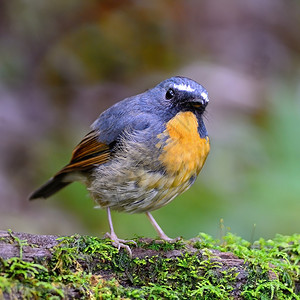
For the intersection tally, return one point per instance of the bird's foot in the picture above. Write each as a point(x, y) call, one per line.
point(163, 237)
point(120, 243)
point(167, 239)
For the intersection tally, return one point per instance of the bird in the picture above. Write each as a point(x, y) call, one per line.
point(141, 152)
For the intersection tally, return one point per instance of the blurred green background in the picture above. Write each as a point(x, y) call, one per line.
point(63, 62)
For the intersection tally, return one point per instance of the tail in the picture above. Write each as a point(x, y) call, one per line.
point(52, 186)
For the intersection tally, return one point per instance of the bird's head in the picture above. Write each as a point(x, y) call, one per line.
point(182, 94)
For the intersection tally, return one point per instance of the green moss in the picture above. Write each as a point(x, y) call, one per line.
point(161, 245)
point(89, 267)
point(27, 279)
point(273, 265)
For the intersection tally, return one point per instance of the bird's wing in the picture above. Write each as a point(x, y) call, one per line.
point(88, 153)
point(97, 146)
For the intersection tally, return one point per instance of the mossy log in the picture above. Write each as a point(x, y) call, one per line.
point(48, 266)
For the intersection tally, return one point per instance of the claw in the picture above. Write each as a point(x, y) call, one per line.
point(160, 232)
point(119, 243)
point(116, 242)
point(162, 240)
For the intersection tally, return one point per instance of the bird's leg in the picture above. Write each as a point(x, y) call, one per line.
point(160, 232)
point(116, 242)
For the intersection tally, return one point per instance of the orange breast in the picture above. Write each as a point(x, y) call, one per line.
point(184, 152)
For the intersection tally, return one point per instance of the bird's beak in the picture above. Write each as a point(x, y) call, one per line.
point(200, 101)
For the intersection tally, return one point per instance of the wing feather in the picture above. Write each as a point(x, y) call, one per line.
point(88, 154)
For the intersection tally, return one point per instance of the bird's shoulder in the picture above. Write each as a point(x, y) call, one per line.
point(126, 117)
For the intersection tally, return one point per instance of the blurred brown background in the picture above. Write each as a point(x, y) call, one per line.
point(64, 62)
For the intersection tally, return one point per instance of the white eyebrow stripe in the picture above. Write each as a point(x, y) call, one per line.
point(184, 87)
point(205, 96)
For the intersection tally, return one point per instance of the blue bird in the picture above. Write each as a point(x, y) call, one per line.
point(141, 153)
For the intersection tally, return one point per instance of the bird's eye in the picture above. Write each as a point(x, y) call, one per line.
point(170, 94)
